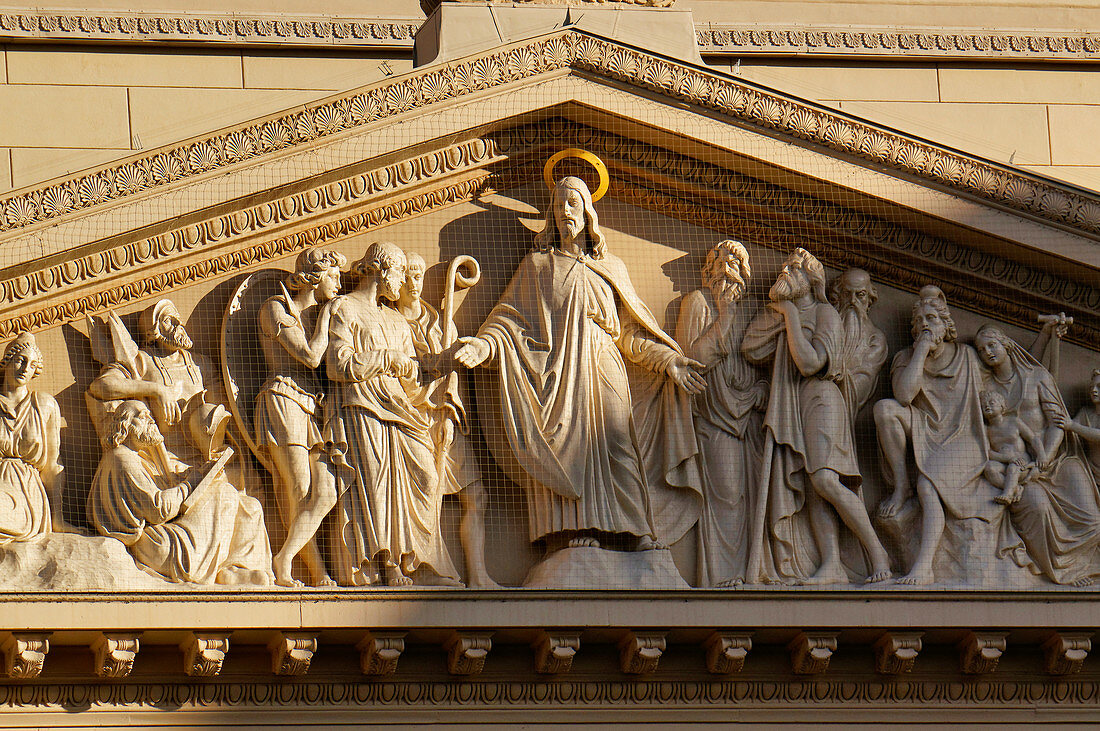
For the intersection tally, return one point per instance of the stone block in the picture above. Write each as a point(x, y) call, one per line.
point(63, 116)
point(66, 562)
point(846, 81)
point(30, 165)
point(162, 116)
point(1073, 133)
point(334, 73)
point(1044, 86)
point(1002, 132)
point(93, 67)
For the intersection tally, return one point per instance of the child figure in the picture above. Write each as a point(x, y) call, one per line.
point(1087, 426)
point(1009, 463)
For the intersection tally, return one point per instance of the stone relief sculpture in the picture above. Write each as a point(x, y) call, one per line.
point(1086, 425)
point(294, 326)
point(459, 472)
point(935, 409)
point(391, 494)
point(853, 294)
point(1014, 449)
point(728, 413)
point(606, 459)
point(186, 525)
point(809, 466)
point(31, 477)
point(1057, 513)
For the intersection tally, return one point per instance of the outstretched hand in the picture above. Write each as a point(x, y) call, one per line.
point(474, 351)
point(686, 373)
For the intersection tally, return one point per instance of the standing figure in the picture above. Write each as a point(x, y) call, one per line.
point(31, 477)
point(390, 499)
point(602, 458)
point(288, 409)
point(459, 470)
point(1086, 425)
point(1010, 462)
point(812, 462)
point(187, 526)
point(852, 294)
point(727, 414)
point(935, 408)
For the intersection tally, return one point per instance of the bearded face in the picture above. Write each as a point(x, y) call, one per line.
point(142, 429)
point(854, 294)
point(390, 281)
point(569, 213)
point(171, 333)
point(927, 319)
point(791, 284)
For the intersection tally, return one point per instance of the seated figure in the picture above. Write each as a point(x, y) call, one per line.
point(186, 526)
point(1010, 463)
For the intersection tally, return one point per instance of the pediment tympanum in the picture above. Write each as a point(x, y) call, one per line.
point(689, 410)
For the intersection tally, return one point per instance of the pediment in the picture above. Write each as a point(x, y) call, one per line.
point(689, 142)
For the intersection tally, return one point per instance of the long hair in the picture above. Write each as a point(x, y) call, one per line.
point(549, 238)
point(728, 261)
point(121, 420)
point(813, 270)
point(378, 256)
point(932, 296)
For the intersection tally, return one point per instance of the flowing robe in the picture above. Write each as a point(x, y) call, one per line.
point(863, 356)
point(1058, 513)
point(809, 422)
point(133, 501)
point(594, 448)
point(24, 451)
point(948, 433)
point(731, 442)
point(390, 499)
point(459, 466)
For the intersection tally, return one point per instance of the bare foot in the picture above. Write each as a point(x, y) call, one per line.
point(482, 581)
point(916, 578)
point(827, 574)
point(583, 542)
point(400, 580)
point(289, 581)
point(648, 543)
point(730, 583)
point(1082, 582)
point(878, 577)
point(325, 581)
point(890, 507)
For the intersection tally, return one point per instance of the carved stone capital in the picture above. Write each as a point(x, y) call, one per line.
point(896, 652)
point(554, 651)
point(204, 653)
point(811, 652)
point(466, 652)
point(639, 652)
point(1064, 652)
point(726, 651)
point(380, 651)
point(115, 653)
point(24, 653)
point(979, 652)
point(292, 652)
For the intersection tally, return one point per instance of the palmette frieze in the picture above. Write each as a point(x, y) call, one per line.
point(721, 38)
point(206, 27)
point(569, 49)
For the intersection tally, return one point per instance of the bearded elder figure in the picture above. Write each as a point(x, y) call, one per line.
point(606, 459)
point(710, 326)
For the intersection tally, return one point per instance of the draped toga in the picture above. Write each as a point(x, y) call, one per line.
point(595, 449)
point(24, 454)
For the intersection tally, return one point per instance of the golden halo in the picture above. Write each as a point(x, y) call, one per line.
point(588, 157)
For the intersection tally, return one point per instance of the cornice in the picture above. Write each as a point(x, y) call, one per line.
point(740, 101)
point(897, 43)
point(235, 28)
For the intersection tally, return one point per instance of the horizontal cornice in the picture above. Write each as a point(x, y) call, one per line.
point(747, 38)
point(232, 28)
point(742, 102)
point(897, 43)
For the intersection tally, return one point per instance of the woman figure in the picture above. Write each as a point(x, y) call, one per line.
point(31, 477)
point(1058, 513)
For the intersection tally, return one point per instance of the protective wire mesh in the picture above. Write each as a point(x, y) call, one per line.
point(674, 194)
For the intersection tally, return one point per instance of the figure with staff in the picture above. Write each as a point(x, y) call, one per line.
point(433, 334)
